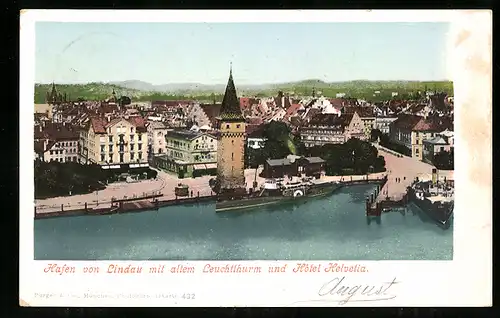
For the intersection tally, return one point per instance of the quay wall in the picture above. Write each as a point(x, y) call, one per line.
point(164, 203)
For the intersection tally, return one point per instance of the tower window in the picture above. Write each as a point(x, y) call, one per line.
point(238, 126)
point(232, 156)
point(227, 126)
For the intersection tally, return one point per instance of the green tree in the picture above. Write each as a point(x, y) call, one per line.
point(444, 160)
point(375, 134)
point(353, 157)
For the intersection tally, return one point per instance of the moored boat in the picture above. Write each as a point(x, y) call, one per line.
point(278, 191)
point(435, 199)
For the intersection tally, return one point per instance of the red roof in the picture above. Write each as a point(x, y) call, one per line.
point(244, 102)
point(292, 110)
point(254, 131)
point(406, 121)
point(99, 124)
point(330, 120)
point(57, 131)
point(138, 122)
point(170, 103)
point(313, 112)
point(212, 111)
point(363, 111)
point(254, 120)
point(434, 124)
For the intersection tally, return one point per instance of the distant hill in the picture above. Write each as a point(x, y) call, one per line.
point(140, 90)
point(90, 91)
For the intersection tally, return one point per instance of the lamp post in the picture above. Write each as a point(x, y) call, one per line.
point(353, 162)
point(255, 178)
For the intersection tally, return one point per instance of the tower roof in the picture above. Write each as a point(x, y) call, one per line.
point(230, 108)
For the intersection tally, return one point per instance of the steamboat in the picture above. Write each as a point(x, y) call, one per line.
point(435, 198)
point(279, 191)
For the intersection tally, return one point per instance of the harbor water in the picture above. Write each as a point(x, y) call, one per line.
point(328, 228)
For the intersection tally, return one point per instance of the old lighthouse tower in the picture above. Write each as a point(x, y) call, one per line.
point(231, 145)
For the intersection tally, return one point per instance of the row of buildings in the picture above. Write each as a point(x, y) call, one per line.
point(184, 137)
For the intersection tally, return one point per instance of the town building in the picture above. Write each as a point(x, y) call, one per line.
point(255, 136)
point(188, 154)
point(323, 129)
point(120, 143)
point(157, 132)
point(367, 115)
point(383, 123)
point(411, 131)
point(441, 142)
point(294, 166)
point(354, 127)
point(196, 114)
point(56, 142)
point(44, 109)
point(231, 144)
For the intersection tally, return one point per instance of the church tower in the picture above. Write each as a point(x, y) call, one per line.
point(52, 96)
point(231, 144)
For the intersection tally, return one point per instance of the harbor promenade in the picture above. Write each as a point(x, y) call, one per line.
point(164, 185)
point(401, 171)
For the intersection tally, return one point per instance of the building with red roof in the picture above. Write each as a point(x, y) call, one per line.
point(411, 131)
point(119, 142)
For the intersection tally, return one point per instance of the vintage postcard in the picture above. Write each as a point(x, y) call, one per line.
point(278, 158)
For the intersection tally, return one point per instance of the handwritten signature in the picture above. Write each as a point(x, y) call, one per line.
point(343, 292)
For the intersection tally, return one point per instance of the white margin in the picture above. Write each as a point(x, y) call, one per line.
point(465, 281)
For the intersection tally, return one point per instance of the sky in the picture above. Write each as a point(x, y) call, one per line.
point(260, 53)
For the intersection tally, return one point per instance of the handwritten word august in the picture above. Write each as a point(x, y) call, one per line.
point(339, 290)
point(330, 268)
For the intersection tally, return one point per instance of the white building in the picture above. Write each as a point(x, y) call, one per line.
point(156, 137)
point(325, 106)
point(383, 123)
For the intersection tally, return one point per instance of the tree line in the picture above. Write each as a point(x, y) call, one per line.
point(53, 179)
point(352, 157)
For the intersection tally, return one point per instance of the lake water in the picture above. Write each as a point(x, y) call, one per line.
point(330, 228)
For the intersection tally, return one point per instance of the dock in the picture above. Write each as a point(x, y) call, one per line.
point(388, 195)
point(129, 205)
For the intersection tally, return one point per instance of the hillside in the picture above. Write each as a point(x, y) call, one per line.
point(143, 91)
point(90, 91)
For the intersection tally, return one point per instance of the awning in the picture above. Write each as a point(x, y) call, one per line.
point(199, 167)
point(211, 166)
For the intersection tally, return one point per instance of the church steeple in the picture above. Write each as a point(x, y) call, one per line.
point(230, 108)
point(52, 97)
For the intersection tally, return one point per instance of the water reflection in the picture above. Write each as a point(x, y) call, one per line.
point(332, 227)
